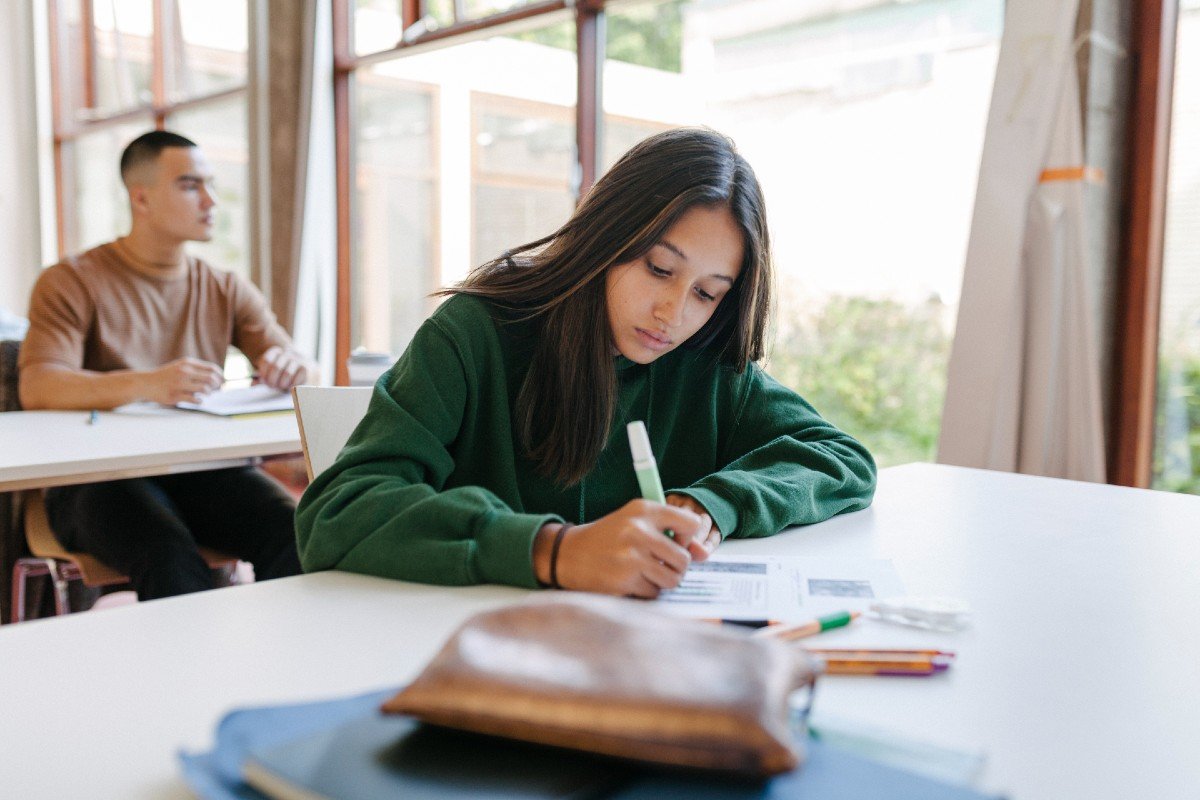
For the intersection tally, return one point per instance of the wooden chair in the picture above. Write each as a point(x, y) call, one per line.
point(50, 558)
point(12, 543)
point(47, 557)
point(326, 416)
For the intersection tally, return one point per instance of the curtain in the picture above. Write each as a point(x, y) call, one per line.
point(299, 174)
point(1024, 389)
point(288, 98)
point(316, 262)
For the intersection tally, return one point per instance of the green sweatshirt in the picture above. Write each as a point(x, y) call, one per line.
point(432, 485)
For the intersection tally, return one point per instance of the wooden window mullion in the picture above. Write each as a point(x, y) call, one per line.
point(87, 26)
point(343, 66)
point(410, 12)
point(54, 19)
point(1135, 361)
point(589, 100)
point(158, 59)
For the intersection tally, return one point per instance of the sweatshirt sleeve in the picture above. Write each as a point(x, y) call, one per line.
point(785, 465)
point(383, 509)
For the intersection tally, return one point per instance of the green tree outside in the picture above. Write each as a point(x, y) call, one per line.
point(876, 368)
point(650, 35)
point(1176, 466)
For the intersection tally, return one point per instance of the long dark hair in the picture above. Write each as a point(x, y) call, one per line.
point(565, 406)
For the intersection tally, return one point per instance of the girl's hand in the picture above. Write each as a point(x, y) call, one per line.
point(625, 552)
point(704, 545)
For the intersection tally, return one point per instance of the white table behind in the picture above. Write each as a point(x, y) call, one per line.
point(1078, 679)
point(55, 448)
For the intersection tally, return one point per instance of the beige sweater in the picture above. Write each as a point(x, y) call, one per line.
point(103, 311)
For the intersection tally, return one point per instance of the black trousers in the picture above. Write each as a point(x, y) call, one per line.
point(148, 528)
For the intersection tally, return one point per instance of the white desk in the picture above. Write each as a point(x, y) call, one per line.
point(54, 448)
point(1079, 678)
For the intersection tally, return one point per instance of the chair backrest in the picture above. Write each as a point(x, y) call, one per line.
point(327, 415)
point(12, 540)
point(10, 349)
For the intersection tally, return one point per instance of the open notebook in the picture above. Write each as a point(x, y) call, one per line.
point(260, 399)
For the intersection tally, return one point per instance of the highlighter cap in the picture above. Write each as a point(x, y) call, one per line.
point(639, 441)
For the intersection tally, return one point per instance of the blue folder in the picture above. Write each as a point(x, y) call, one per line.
point(346, 749)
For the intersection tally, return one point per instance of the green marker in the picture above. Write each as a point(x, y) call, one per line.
point(644, 465)
point(810, 628)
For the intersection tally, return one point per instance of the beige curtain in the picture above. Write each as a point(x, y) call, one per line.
point(316, 264)
point(296, 170)
point(289, 39)
point(1024, 387)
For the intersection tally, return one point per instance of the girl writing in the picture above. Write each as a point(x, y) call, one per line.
point(494, 451)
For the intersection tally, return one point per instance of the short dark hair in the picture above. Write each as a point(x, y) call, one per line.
point(145, 149)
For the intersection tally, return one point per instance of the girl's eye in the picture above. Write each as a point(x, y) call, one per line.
point(657, 270)
point(705, 296)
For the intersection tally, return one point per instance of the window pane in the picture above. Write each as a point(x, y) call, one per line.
point(122, 71)
point(524, 158)
point(442, 11)
point(1177, 445)
point(523, 142)
point(865, 125)
point(395, 180)
point(212, 55)
point(220, 129)
point(101, 205)
point(483, 8)
point(458, 157)
point(377, 25)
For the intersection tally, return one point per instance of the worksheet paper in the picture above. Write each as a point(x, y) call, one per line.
point(784, 588)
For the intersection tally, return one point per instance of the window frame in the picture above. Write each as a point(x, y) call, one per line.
point(67, 128)
point(1139, 285)
point(589, 32)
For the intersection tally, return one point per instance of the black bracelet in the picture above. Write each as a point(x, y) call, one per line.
point(558, 537)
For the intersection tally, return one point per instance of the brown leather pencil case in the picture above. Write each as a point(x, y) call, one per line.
point(616, 677)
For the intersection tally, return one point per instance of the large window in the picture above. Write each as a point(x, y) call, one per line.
point(1177, 443)
point(122, 67)
point(457, 156)
point(865, 126)
point(865, 119)
point(865, 122)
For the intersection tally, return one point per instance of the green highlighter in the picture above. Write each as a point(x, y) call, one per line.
point(644, 465)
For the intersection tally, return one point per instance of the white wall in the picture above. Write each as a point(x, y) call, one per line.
point(20, 217)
